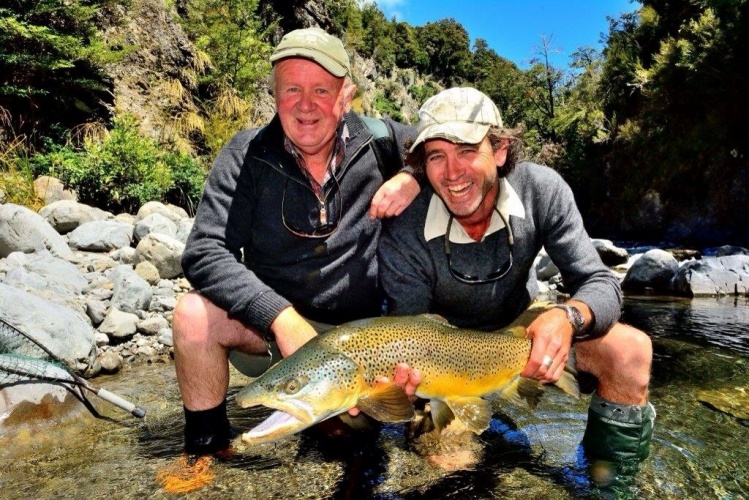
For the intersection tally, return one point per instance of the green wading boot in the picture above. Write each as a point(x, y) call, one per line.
point(616, 440)
point(207, 431)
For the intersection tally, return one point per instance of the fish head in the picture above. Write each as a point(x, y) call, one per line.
point(311, 385)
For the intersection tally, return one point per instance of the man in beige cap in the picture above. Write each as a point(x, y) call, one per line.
point(465, 249)
point(285, 236)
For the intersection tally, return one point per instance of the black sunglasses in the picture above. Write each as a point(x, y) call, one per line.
point(323, 219)
point(491, 277)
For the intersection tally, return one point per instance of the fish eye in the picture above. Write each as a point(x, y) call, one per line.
point(292, 386)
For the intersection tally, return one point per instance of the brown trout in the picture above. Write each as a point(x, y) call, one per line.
point(338, 370)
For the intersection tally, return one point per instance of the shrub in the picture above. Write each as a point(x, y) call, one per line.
point(16, 179)
point(123, 170)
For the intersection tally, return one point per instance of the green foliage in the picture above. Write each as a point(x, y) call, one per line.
point(501, 80)
point(408, 52)
point(231, 32)
point(691, 111)
point(378, 37)
point(447, 44)
point(387, 107)
point(224, 116)
point(16, 178)
point(51, 60)
point(123, 171)
point(423, 92)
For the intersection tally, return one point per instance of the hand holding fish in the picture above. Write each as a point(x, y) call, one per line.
point(551, 334)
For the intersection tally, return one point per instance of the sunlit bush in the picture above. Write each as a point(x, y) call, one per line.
point(123, 170)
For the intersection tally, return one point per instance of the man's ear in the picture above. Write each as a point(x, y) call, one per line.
point(500, 155)
point(349, 91)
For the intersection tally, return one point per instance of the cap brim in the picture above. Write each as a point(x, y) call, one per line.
point(330, 65)
point(459, 132)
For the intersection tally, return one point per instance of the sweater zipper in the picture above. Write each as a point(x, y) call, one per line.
point(321, 201)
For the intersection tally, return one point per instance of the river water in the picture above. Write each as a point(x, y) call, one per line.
point(698, 451)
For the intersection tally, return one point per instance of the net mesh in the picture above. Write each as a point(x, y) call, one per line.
point(22, 359)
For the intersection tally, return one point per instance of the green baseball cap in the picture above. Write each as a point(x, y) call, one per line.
point(317, 45)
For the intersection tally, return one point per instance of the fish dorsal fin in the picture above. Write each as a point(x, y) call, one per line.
point(521, 390)
point(437, 319)
point(387, 403)
point(515, 331)
point(473, 413)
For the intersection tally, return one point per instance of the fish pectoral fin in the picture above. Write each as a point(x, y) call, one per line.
point(522, 389)
point(472, 412)
point(387, 403)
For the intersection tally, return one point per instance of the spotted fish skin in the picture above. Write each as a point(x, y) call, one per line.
point(338, 370)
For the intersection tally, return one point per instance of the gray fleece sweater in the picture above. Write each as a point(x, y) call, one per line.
point(240, 255)
point(416, 278)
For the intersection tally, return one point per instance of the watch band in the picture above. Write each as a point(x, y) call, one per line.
point(575, 317)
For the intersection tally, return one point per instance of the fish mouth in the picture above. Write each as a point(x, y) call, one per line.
point(279, 424)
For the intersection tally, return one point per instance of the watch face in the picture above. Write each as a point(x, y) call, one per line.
point(575, 317)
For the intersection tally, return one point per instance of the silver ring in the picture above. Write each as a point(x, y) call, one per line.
point(547, 361)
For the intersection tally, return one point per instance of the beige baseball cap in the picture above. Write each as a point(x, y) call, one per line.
point(317, 45)
point(460, 114)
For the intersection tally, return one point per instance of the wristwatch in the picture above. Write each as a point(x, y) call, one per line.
point(575, 317)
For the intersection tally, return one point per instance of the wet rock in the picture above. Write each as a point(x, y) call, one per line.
point(733, 401)
point(714, 276)
point(610, 254)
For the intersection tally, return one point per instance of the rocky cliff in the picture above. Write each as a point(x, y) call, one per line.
point(161, 62)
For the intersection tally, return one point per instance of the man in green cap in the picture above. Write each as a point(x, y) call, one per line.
point(285, 236)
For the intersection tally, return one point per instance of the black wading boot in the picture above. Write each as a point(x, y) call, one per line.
point(616, 440)
point(207, 431)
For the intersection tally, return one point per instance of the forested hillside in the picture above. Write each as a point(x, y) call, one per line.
point(129, 100)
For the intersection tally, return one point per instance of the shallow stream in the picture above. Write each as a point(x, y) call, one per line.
point(698, 451)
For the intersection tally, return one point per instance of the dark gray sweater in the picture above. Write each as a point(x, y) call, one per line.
point(241, 257)
point(416, 278)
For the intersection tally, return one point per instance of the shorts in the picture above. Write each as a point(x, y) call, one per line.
point(254, 365)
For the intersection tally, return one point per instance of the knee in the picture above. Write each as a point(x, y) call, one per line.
point(634, 355)
point(187, 315)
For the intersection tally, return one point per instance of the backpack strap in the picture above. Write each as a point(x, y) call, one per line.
point(389, 161)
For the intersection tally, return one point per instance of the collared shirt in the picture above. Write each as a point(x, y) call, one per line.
point(508, 203)
point(339, 151)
